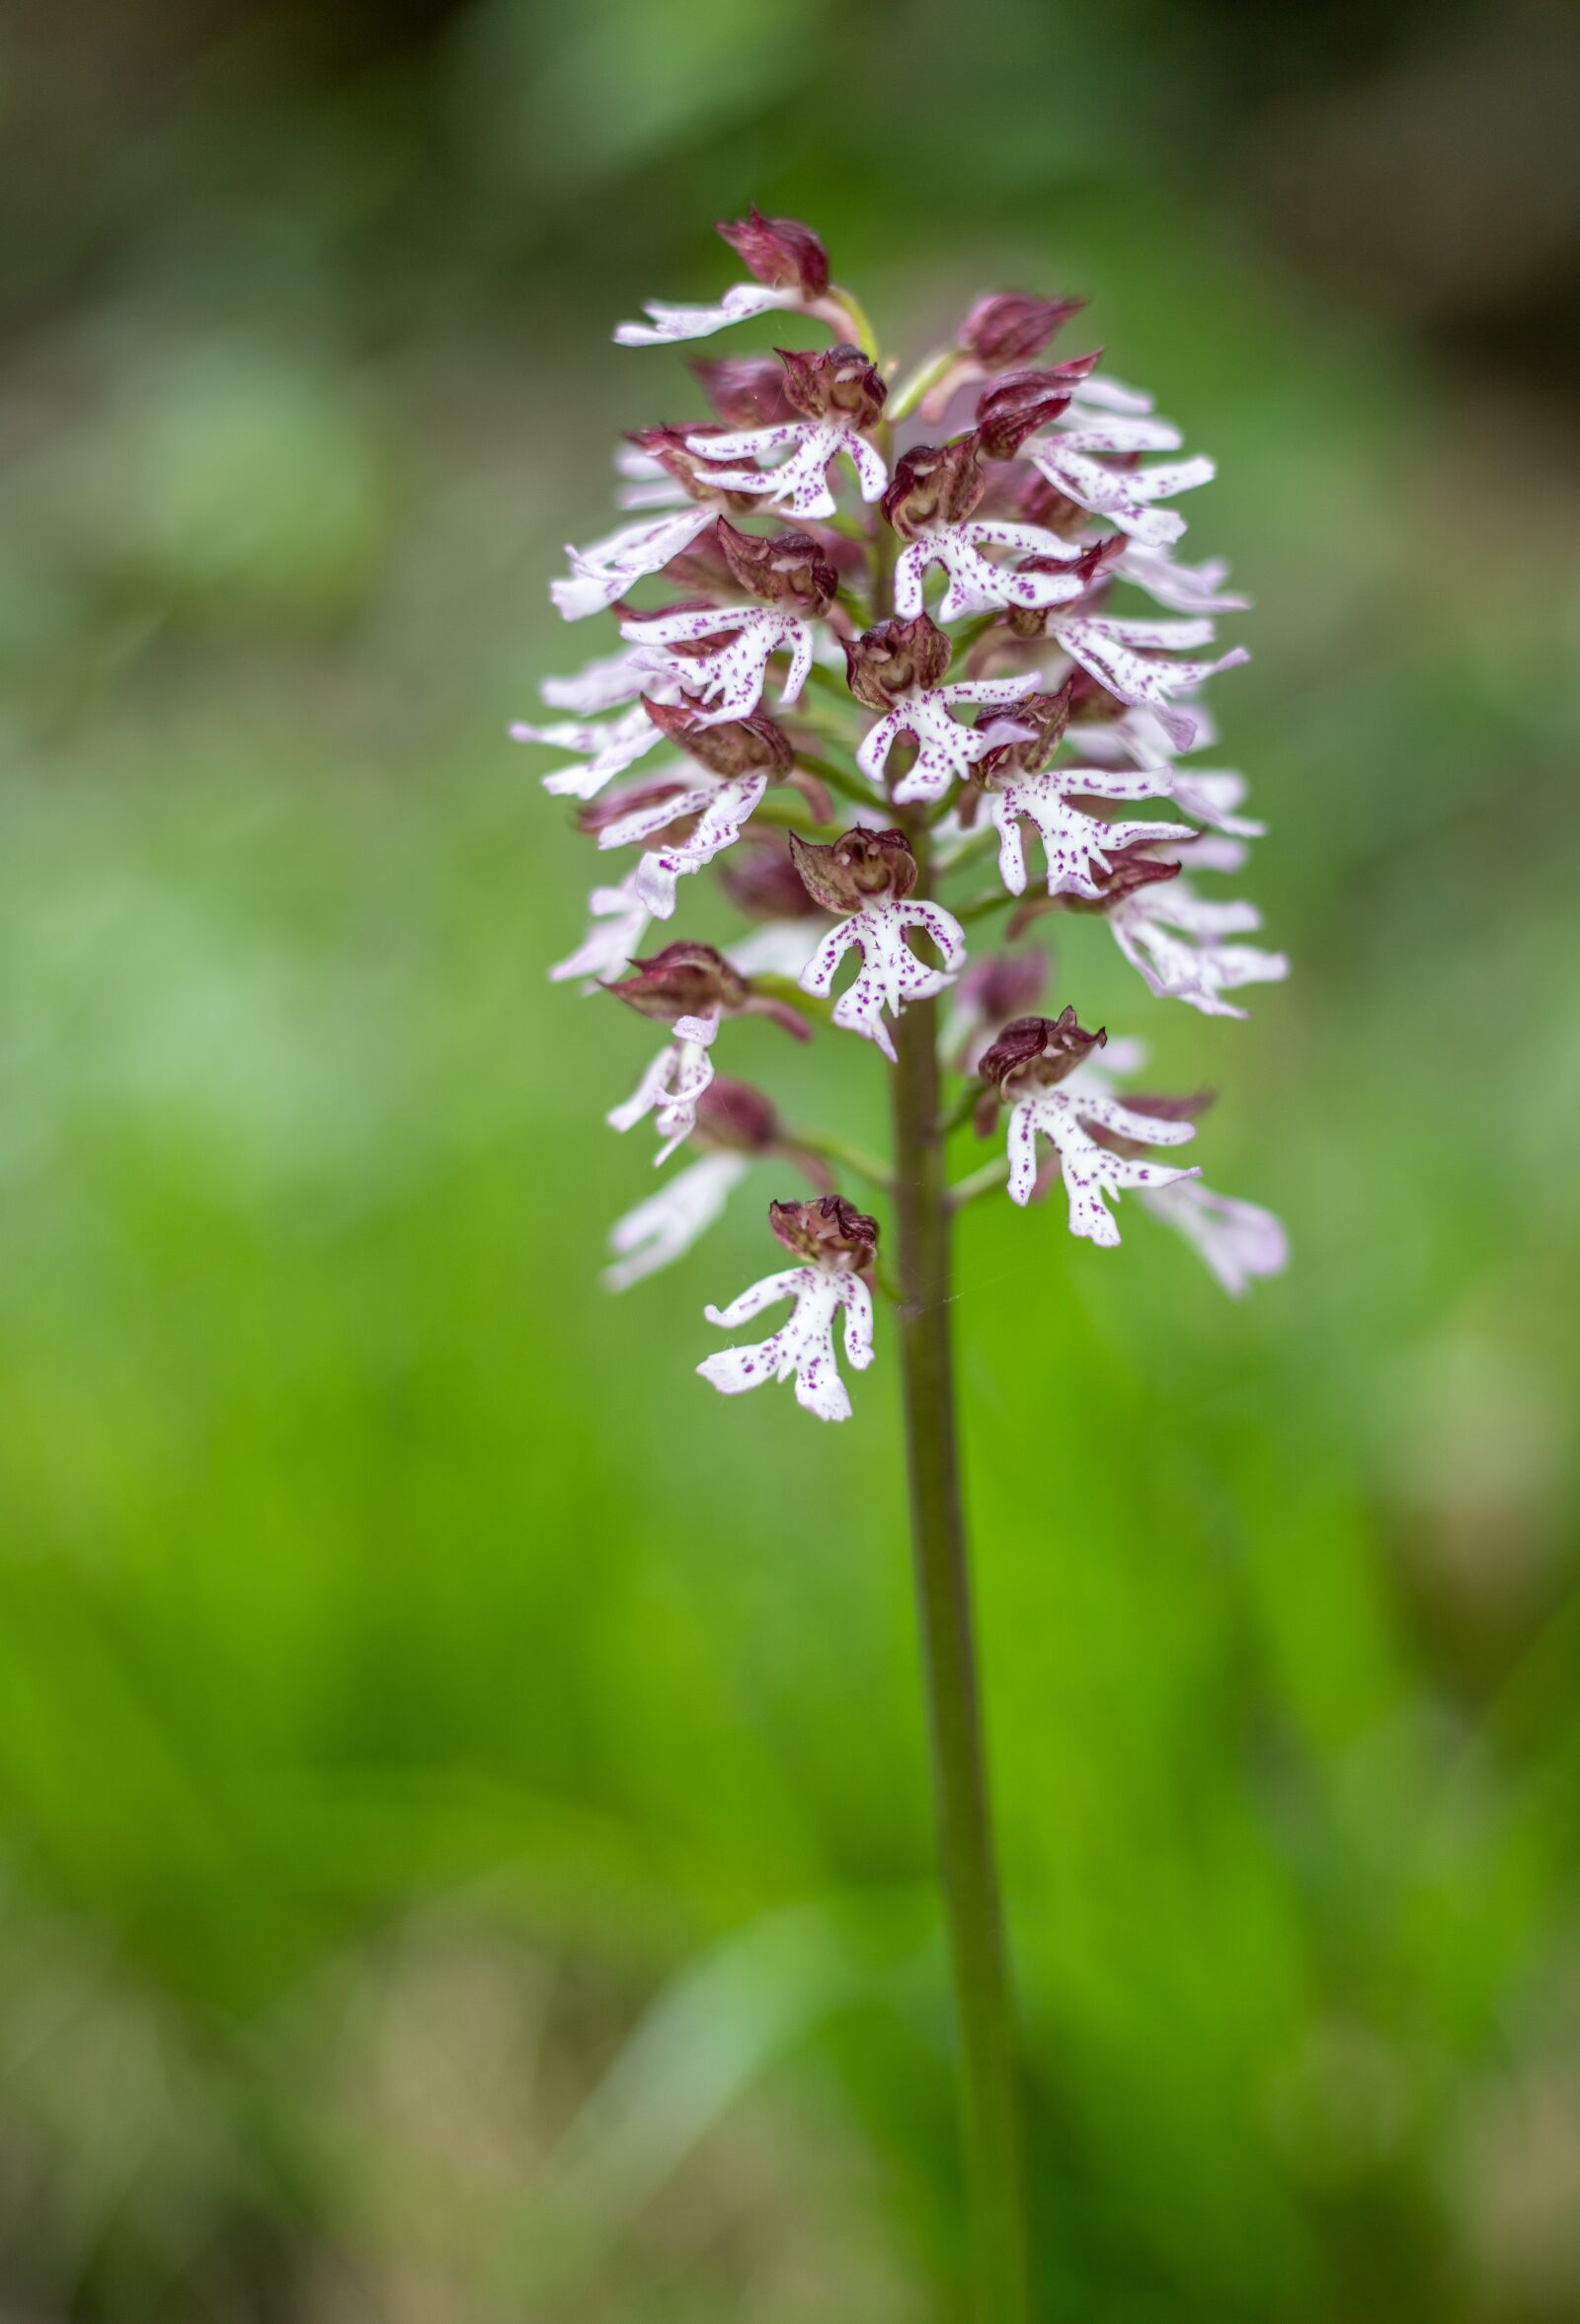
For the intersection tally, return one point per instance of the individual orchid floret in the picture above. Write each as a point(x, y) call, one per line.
point(688, 987)
point(898, 668)
point(672, 1085)
point(735, 1126)
point(1029, 1066)
point(691, 988)
point(728, 683)
point(1076, 846)
point(930, 503)
point(692, 823)
point(790, 271)
point(839, 1245)
point(1177, 940)
point(841, 394)
point(869, 875)
point(1020, 786)
point(795, 585)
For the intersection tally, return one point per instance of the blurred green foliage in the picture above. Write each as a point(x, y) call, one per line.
point(463, 1843)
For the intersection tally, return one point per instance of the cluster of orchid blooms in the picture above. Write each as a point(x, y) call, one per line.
point(948, 717)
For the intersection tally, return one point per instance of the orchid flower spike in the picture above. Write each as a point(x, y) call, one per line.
point(876, 684)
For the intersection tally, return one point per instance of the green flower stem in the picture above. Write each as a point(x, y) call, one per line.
point(866, 337)
point(989, 2093)
point(909, 394)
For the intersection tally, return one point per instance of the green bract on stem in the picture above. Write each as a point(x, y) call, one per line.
point(952, 612)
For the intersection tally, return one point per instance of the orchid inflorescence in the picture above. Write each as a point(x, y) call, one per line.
point(864, 696)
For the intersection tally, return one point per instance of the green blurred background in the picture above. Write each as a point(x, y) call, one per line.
point(464, 1852)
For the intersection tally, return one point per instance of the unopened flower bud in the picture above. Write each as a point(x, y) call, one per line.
point(786, 569)
point(1014, 405)
point(746, 391)
point(684, 979)
point(886, 661)
point(934, 483)
point(780, 252)
point(1007, 327)
point(761, 880)
point(730, 746)
point(998, 987)
point(735, 1118)
point(1038, 1051)
point(863, 863)
point(830, 1233)
point(838, 382)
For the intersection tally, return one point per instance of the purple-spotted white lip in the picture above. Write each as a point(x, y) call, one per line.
point(801, 1350)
